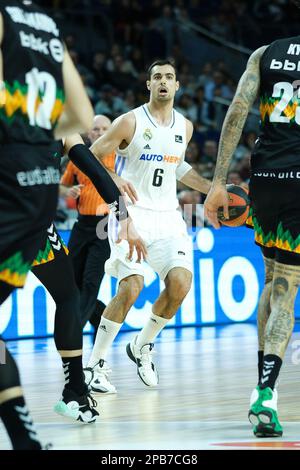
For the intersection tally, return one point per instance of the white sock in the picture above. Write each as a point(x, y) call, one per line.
point(107, 331)
point(153, 326)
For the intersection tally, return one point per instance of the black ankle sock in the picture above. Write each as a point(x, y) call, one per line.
point(74, 376)
point(271, 368)
point(260, 364)
point(18, 424)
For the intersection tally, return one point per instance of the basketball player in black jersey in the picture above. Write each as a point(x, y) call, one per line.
point(273, 75)
point(53, 267)
point(57, 276)
point(41, 97)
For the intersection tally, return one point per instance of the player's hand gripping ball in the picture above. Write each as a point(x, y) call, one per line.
point(238, 206)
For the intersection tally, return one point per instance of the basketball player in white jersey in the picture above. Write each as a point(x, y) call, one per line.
point(150, 143)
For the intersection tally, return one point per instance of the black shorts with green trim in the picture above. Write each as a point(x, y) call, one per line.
point(275, 210)
point(29, 178)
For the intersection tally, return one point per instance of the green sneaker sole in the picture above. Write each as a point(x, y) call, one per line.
point(265, 424)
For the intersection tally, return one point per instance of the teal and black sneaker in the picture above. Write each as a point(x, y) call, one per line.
point(263, 413)
point(77, 407)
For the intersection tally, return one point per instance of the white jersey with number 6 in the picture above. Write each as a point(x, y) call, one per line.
point(152, 158)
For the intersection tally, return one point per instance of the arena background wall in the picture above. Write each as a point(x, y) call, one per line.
point(228, 277)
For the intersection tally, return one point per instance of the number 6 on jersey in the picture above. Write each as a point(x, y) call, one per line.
point(158, 177)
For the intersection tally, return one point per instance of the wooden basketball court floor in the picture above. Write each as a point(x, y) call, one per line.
point(206, 377)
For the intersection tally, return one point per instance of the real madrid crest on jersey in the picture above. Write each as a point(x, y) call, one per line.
point(147, 134)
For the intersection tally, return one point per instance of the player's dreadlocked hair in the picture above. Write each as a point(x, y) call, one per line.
point(296, 2)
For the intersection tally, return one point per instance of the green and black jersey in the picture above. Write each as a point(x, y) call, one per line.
point(278, 145)
point(32, 94)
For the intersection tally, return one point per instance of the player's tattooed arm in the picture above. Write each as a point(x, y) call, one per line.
point(237, 113)
point(193, 180)
point(281, 321)
point(264, 308)
point(234, 121)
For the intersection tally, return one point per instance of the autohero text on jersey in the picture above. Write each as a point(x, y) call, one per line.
point(160, 158)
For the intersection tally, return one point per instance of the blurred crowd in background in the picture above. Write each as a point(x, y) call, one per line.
point(112, 43)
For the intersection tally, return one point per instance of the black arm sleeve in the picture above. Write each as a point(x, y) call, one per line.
point(84, 159)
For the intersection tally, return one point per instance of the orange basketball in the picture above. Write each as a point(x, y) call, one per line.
point(238, 206)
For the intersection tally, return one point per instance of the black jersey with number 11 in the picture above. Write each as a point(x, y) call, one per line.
point(32, 94)
point(278, 145)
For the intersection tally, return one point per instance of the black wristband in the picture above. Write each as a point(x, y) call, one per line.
point(85, 160)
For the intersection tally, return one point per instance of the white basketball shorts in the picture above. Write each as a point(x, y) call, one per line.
point(166, 239)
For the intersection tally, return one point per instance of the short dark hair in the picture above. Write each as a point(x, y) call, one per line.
point(160, 62)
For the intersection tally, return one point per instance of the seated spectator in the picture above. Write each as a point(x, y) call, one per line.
point(109, 103)
point(219, 108)
point(208, 171)
point(129, 101)
point(218, 81)
point(89, 89)
point(206, 75)
point(137, 59)
point(114, 51)
point(241, 151)
point(243, 168)
point(82, 69)
point(187, 107)
point(250, 139)
point(192, 153)
point(219, 25)
point(99, 69)
point(166, 23)
point(154, 41)
point(187, 86)
point(139, 88)
point(205, 110)
point(121, 76)
point(209, 152)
